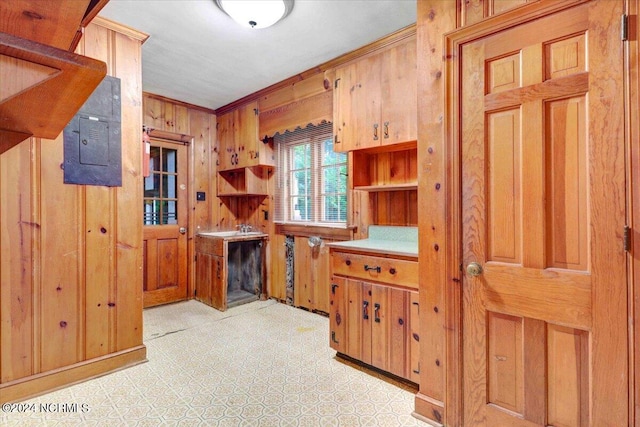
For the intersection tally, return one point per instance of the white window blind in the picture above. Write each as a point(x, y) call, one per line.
point(311, 181)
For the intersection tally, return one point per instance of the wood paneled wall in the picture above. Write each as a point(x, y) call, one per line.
point(434, 18)
point(70, 258)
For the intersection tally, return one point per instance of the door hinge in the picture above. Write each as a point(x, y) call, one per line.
point(256, 111)
point(195, 258)
point(626, 239)
point(335, 84)
point(624, 28)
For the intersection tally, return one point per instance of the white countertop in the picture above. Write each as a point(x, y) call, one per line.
point(385, 240)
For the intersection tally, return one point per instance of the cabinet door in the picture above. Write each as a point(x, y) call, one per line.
point(246, 135)
point(218, 283)
point(344, 128)
point(398, 331)
point(413, 363)
point(399, 94)
point(204, 265)
point(380, 298)
point(226, 142)
point(338, 315)
point(368, 102)
point(358, 321)
point(357, 105)
point(320, 256)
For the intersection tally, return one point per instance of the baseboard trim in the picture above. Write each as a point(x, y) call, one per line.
point(56, 379)
point(429, 410)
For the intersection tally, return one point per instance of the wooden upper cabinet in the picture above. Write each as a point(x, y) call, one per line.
point(238, 140)
point(375, 99)
point(165, 115)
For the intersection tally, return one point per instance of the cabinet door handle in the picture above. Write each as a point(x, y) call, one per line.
point(333, 337)
point(392, 270)
point(386, 130)
point(365, 310)
point(376, 312)
point(375, 132)
point(333, 288)
point(377, 269)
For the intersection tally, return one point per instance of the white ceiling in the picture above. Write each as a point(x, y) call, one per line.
point(197, 54)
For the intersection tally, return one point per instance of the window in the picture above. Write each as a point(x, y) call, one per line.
point(160, 188)
point(312, 178)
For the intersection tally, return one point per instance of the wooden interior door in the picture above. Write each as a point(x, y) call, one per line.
point(543, 210)
point(165, 222)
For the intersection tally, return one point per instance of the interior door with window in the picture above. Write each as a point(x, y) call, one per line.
point(543, 210)
point(165, 224)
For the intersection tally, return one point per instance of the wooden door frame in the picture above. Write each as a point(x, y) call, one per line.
point(450, 282)
point(187, 141)
point(632, 107)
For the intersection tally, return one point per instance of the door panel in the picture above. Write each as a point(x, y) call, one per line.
point(165, 222)
point(358, 312)
point(538, 199)
point(338, 315)
point(380, 326)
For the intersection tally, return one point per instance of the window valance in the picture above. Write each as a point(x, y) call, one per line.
point(298, 114)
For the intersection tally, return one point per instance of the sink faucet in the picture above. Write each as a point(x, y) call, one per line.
point(244, 228)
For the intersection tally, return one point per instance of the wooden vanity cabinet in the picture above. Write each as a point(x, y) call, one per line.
point(375, 99)
point(230, 270)
point(373, 322)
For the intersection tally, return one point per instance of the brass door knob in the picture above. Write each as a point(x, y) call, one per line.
point(474, 269)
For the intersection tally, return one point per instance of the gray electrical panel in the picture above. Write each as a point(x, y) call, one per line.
point(92, 139)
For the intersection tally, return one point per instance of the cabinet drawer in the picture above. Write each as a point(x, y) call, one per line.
point(210, 245)
point(367, 267)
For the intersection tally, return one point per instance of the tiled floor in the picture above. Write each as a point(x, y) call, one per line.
point(258, 364)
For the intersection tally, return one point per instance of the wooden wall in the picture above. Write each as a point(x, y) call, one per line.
point(70, 255)
point(434, 18)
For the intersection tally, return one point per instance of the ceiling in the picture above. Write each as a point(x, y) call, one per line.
point(197, 54)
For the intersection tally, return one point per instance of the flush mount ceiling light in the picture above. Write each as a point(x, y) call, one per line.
point(256, 13)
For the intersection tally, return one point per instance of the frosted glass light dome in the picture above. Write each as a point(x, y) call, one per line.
point(256, 13)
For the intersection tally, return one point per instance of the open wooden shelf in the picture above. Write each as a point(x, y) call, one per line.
point(42, 82)
point(249, 181)
point(390, 187)
point(392, 169)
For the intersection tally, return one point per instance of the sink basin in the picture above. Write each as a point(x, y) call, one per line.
point(234, 233)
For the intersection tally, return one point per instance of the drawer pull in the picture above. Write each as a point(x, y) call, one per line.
point(348, 262)
point(376, 312)
point(365, 310)
point(377, 269)
point(392, 270)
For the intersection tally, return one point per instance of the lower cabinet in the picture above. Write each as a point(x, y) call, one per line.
point(376, 324)
point(229, 269)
